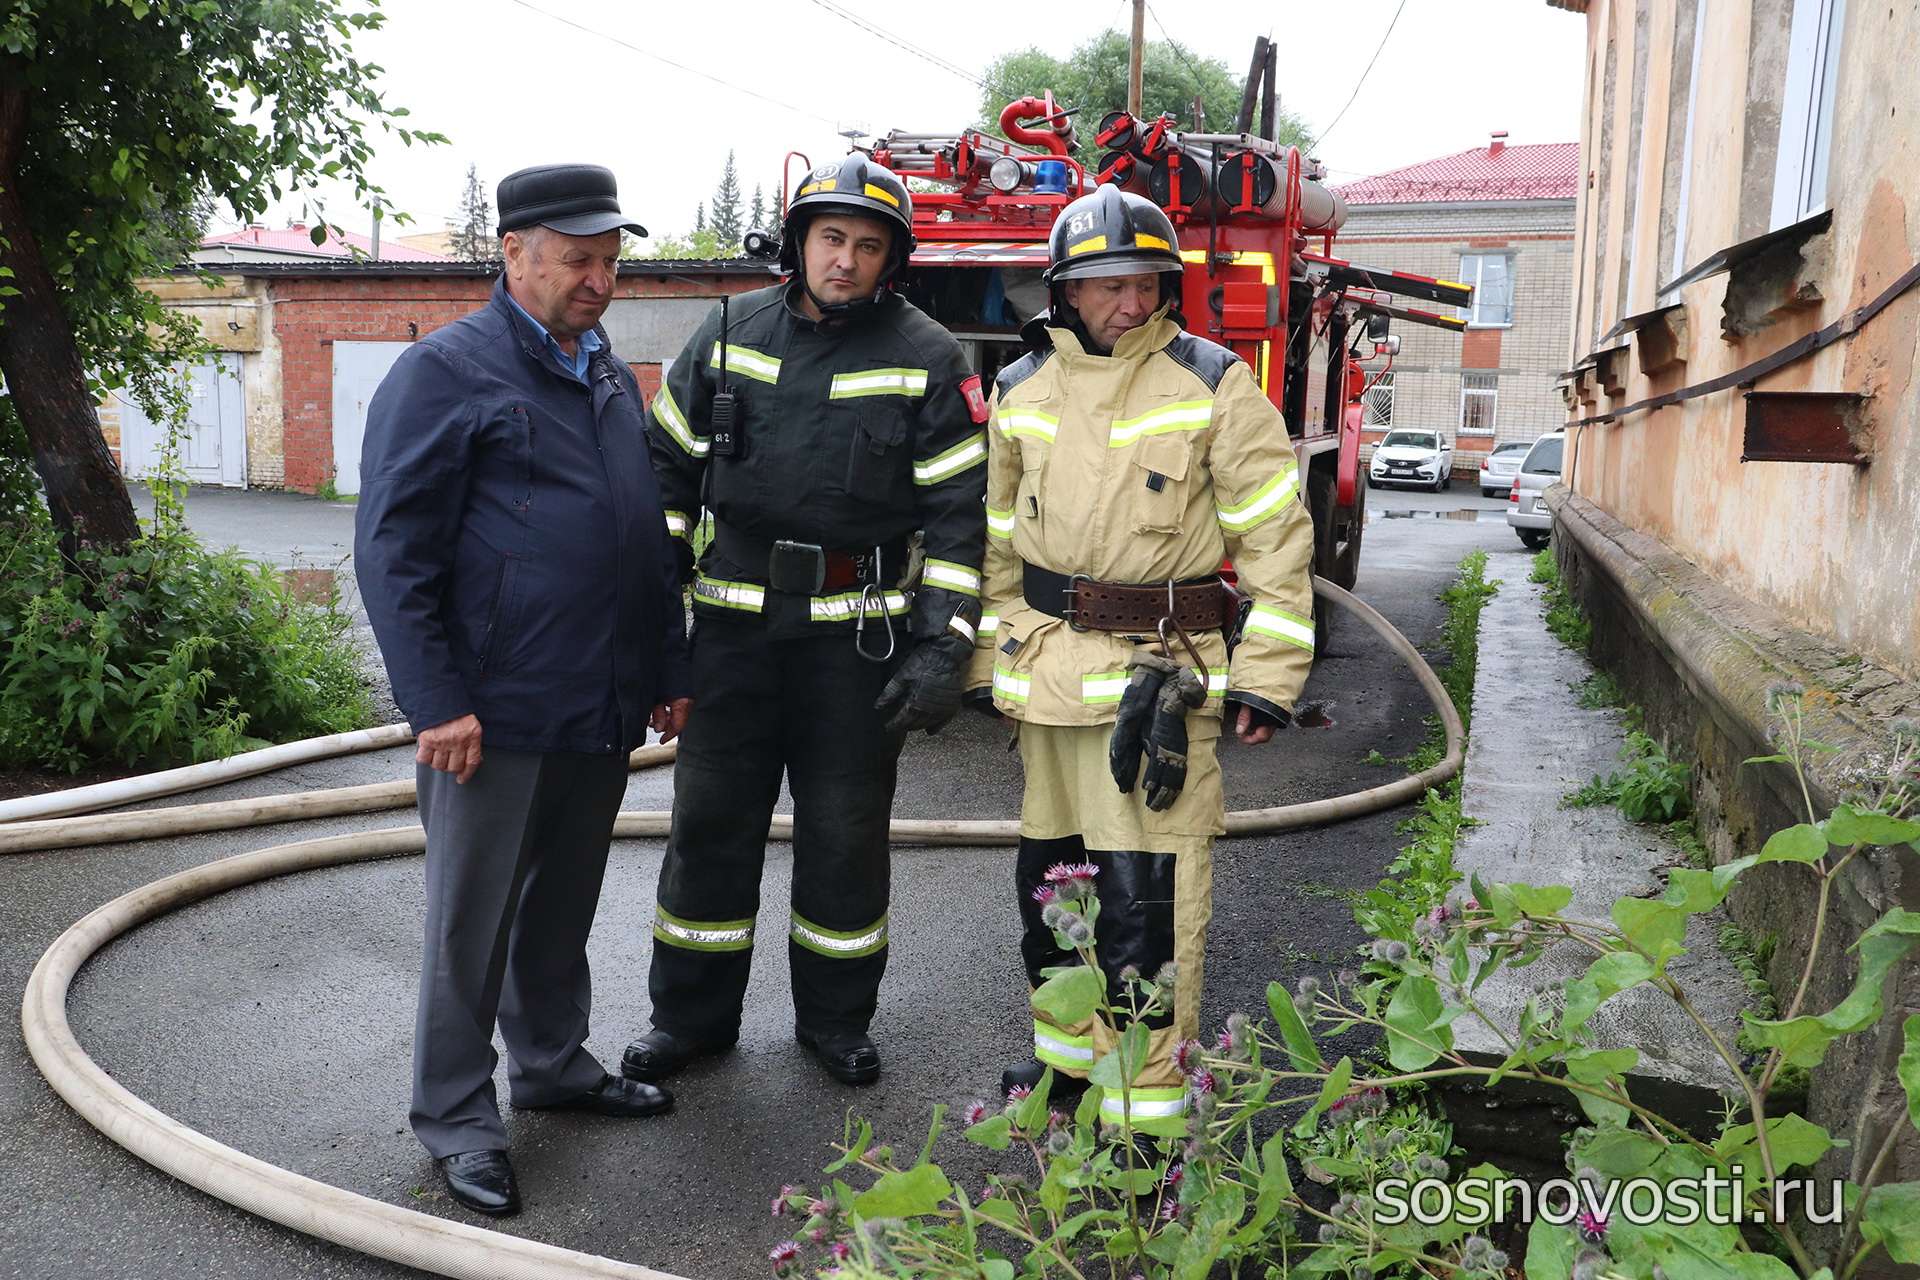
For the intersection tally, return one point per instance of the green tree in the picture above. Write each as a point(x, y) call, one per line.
point(1094, 79)
point(703, 244)
point(473, 239)
point(727, 214)
point(700, 217)
point(757, 211)
point(116, 116)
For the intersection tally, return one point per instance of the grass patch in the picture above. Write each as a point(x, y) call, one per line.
point(1419, 877)
point(1563, 613)
point(1599, 691)
point(1652, 788)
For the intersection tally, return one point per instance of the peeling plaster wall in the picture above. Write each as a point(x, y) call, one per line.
point(1835, 549)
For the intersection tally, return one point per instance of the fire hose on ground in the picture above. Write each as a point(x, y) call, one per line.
point(432, 1244)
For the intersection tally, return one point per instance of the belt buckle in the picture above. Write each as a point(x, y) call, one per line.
point(798, 567)
point(1071, 592)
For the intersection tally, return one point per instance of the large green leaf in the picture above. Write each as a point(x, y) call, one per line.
point(1541, 900)
point(993, 1133)
point(1332, 1089)
point(1892, 1218)
point(1594, 1066)
point(1604, 978)
point(1413, 1041)
point(1655, 926)
point(1071, 996)
point(1848, 826)
point(904, 1195)
point(1270, 1193)
point(1803, 843)
point(1550, 1251)
point(1301, 1050)
point(1909, 1068)
point(1122, 1066)
point(1803, 1041)
point(1790, 1139)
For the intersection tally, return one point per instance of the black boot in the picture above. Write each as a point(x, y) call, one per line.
point(849, 1056)
point(1026, 1075)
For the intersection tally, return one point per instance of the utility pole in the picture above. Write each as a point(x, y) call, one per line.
point(1136, 50)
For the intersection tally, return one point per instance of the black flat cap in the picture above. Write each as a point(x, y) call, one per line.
point(573, 199)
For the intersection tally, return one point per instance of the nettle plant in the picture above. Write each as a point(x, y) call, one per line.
point(1648, 1198)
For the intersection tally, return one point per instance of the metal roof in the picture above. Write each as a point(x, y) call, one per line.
point(370, 267)
point(1528, 171)
point(298, 240)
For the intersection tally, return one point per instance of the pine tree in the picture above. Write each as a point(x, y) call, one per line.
point(700, 217)
point(473, 239)
point(757, 211)
point(726, 206)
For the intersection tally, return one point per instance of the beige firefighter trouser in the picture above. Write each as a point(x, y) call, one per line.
point(1070, 792)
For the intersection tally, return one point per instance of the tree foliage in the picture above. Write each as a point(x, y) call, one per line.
point(473, 239)
point(1094, 79)
point(728, 218)
point(115, 116)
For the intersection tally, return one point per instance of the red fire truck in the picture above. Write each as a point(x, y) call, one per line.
point(1257, 227)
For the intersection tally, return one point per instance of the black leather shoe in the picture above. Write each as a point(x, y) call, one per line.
point(849, 1056)
point(614, 1097)
point(482, 1181)
point(659, 1054)
point(1026, 1075)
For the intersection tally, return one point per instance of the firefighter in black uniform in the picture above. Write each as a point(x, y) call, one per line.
point(841, 421)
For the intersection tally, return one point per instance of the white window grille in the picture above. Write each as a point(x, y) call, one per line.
point(1379, 401)
point(1479, 396)
point(1491, 275)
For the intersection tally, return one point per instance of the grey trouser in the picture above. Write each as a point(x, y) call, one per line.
point(514, 863)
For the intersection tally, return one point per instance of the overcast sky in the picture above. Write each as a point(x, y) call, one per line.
point(519, 82)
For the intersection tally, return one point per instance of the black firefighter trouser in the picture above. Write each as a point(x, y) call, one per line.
point(763, 706)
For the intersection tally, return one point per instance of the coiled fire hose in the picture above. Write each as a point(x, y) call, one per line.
point(440, 1246)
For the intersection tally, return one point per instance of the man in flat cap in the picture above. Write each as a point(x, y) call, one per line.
point(513, 554)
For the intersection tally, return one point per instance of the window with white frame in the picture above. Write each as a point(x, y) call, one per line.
point(1479, 395)
point(1491, 275)
point(1379, 401)
point(1806, 110)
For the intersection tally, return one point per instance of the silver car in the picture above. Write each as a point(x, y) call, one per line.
point(1498, 468)
point(1527, 503)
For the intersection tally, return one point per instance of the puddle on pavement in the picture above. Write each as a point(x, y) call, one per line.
point(1471, 515)
point(1313, 715)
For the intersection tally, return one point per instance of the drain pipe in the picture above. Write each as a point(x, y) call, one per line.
point(439, 1245)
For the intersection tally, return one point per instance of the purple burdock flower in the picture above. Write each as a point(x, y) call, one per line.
point(1044, 894)
point(784, 1255)
point(1175, 1173)
point(1592, 1226)
point(779, 1206)
point(974, 1113)
point(1186, 1057)
point(839, 1251)
point(1202, 1082)
point(1019, 1093)
point(1170, 1211)
point(820, 1208)
point(1072, 879)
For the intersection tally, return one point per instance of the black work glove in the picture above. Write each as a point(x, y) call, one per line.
point(925, 692)
point(1167, 737)
point(1146, 670)
point(683, 561)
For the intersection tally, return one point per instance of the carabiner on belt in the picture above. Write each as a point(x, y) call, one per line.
point(873, 595)
point(1166, 642)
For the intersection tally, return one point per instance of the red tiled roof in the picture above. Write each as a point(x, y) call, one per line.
point(299, 239)
point(1530, 171)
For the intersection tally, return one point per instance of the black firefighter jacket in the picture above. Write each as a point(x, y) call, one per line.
point(509, 542)
point(853, 435)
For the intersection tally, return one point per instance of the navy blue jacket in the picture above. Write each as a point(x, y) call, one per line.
point(510, 545)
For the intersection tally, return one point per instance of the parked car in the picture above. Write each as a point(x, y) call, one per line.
point(1422, 458)
point(1526, 503)
point(1497, 469)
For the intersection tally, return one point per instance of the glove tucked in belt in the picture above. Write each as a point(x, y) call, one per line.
point(1198, 604)
point(1153, 719)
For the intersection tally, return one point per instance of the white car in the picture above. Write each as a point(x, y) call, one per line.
point(1498, 467)
point(1527, 509)
point(1422, 458)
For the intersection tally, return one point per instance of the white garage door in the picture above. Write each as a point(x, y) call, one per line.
point(358, 368)
point(213, 445)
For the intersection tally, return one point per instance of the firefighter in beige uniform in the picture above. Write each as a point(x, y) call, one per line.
point(1127, 462)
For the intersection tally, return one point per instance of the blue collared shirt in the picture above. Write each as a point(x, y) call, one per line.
point(576, 364)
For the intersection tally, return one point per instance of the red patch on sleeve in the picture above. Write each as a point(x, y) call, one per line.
point(976, 402)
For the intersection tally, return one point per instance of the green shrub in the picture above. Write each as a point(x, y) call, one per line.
point(1653, 788)
point(162, 653)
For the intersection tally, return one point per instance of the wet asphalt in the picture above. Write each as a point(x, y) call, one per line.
point(278, 1018)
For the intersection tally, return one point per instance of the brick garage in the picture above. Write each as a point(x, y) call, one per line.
point(306, 308)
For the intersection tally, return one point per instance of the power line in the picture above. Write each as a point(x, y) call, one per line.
point(1363, 76)
point(678, 66)
point(1191, 69)
point(901, 43)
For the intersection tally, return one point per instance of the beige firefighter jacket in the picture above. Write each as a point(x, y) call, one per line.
point(1157, 462)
